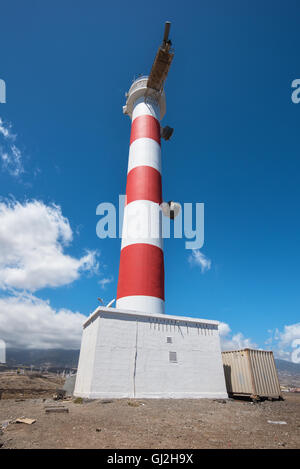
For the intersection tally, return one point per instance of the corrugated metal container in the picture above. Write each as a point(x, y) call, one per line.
point(251, 373)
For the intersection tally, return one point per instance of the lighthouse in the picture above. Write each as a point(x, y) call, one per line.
point(141, 271)
point(135, 350)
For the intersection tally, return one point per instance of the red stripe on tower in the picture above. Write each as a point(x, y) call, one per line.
point(144, 183)
point(134, 278)
point(145, 126)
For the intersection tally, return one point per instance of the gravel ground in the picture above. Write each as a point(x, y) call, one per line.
point(153, 423)
point(29, 385)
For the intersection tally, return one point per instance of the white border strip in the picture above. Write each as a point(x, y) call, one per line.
point(148, 108)
point(141, 303)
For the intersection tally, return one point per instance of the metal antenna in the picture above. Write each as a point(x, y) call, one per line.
point(110, 303)
point(162, 62)
point(167, 31)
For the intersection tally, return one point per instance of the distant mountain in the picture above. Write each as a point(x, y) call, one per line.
point(288, 373)
point(289, 367)
point(58, 359)
point(51, 358)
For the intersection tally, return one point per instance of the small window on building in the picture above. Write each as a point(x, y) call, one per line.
point(169, 340)
point(173, 357)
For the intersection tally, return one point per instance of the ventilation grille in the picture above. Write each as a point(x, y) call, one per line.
point(173, 357)
point(169, 340)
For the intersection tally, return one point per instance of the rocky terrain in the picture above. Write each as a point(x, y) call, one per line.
point(149, 423)
point(28, 385)
point(152, 423)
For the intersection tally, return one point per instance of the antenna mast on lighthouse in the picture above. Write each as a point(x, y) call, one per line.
point(162, 62)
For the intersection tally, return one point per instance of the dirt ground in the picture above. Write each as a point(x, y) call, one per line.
point(153, 423)
point(31, 384)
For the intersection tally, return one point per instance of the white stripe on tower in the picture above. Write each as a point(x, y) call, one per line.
point(141, 272)
point(144, 152)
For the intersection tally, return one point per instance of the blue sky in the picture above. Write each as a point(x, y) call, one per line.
point(67, 65)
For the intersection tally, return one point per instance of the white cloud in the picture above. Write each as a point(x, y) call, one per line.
point(285, 343)
point(198, 258)
point(29, 322)
point(235, 341)
point(10, 154)
point(32, 241)
point(105, 281)
point(12, 161)
point(289, 334)
point(5, 130)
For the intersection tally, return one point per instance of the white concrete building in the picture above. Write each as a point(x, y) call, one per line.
point(138, 355)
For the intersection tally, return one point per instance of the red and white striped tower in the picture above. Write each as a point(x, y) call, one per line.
point(141, 272)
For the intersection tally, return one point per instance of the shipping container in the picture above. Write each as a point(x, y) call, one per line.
point(251, 373)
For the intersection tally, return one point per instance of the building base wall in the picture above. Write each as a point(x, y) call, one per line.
point(105, 395)
point(126, 354)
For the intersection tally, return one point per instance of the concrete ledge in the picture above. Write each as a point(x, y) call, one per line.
point(101, 310)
